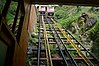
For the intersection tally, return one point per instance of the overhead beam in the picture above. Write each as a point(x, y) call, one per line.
point(67, 2)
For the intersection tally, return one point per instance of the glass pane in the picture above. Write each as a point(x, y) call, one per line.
point(2, 3)
point(11, 13)
point(3, 51)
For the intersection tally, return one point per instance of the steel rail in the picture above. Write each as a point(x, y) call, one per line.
point(58, 44)
point(39, 39)
point(66, 51)
point(74, 45)
point(95, 59)
point(46, 42)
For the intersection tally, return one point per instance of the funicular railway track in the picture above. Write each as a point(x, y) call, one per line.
point(47, 44)
point(48, 26)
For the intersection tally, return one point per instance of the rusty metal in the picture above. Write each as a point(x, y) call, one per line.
point(58, 59)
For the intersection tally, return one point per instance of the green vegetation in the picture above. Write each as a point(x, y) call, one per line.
point(11, 11)
point(31, 45)
point(2, 2)
point(72, 19)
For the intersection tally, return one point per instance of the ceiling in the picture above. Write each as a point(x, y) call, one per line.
point(67, 2)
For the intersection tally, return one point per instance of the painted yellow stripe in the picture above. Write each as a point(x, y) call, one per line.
point(46, 42)
point(74, 45)
point(46, 47)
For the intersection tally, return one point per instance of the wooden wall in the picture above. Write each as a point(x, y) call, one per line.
point(32, 20)
point(28, 25)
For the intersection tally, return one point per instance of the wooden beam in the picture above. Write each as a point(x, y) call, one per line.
point(68, 2)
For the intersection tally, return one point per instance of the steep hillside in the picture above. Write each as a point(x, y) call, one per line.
point(82, 22)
